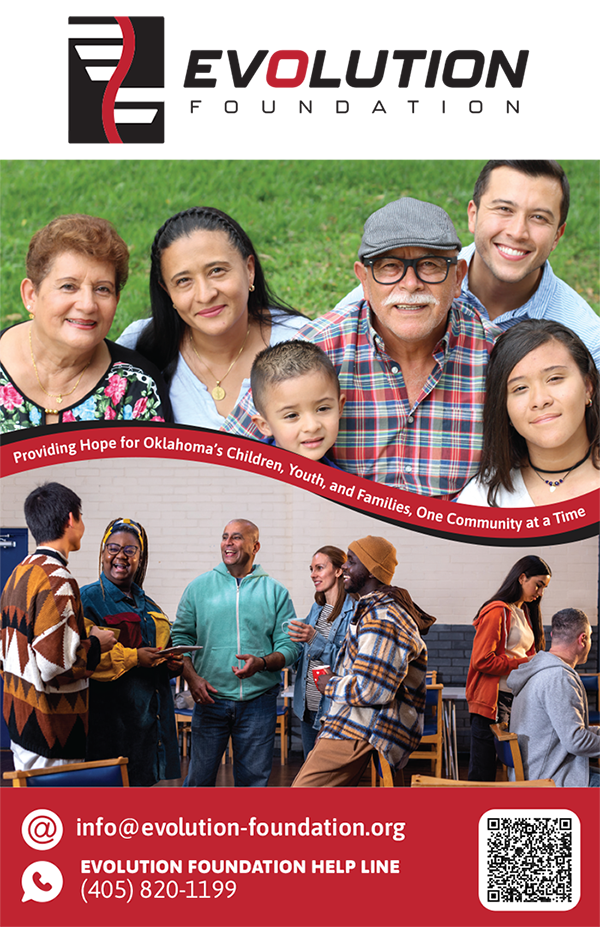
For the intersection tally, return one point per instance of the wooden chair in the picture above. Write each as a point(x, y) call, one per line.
point(284, 726)
point(381, 772)
point(183, 716)
point(507, 749)
point(590, 683)
point(430, 677)
point(431, 781)
point(433, 729)
point(105, 773)
point(183, 720)
point(227, 753)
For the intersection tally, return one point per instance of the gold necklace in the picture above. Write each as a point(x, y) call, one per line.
point(218, 392)
point(60, 396)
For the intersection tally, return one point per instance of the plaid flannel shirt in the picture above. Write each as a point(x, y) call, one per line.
point(431, 448)
point(378, 693)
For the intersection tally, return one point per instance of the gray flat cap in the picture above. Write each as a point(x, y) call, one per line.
point(408, 222)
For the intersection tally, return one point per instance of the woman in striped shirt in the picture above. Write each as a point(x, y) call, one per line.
point(322, 635)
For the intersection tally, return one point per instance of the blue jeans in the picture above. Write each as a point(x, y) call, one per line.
point(308, 732)
point(251, 726)
point(594, 777)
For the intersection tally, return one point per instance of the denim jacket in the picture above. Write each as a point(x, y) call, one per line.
point(320, 648)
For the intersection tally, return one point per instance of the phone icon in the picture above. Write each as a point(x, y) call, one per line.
point(37, 880)
point(41, 881)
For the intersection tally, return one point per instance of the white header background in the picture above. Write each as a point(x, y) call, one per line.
point(558, 100)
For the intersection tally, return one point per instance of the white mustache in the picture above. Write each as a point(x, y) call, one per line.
point(411, 299)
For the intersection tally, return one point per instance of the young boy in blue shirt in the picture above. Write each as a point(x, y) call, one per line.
point(297, 395)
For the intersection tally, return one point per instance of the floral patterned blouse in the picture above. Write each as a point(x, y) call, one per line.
point(131, 388)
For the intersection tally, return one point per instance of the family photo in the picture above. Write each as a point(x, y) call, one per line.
point(456, 368)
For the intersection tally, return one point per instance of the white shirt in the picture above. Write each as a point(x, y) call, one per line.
point(520, 640)
point(475, 493)
point(191, 400)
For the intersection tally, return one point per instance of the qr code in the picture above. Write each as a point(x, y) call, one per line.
point(529, 860)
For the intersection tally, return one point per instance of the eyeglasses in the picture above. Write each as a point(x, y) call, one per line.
point(130, 550)
point(428, 269)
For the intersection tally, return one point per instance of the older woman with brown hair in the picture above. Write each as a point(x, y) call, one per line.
point(58, 367)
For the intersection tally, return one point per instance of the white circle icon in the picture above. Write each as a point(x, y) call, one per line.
point(41, 881)
point(42, 829)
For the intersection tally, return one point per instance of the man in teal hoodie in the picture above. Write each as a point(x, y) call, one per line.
point(238, 615)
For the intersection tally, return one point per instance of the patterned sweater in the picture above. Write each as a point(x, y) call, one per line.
point(46, 658)
point(378, 693)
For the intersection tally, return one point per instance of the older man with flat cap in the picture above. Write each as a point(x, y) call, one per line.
point(377, 689)
point(410, 357)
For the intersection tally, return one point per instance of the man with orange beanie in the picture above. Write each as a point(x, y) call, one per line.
point(377, 689)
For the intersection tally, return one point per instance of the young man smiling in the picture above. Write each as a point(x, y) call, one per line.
point(518, 215)
point(517, 219)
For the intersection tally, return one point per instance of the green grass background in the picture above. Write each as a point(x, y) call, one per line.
point(304, 217)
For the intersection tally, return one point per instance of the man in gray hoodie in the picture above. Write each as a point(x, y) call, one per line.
point(550, 712)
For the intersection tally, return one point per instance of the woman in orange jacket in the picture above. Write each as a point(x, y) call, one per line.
point(508, 632)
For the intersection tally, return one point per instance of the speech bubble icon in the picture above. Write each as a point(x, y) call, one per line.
point(42, 881)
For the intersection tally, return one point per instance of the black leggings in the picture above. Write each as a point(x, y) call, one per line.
point(482, 762)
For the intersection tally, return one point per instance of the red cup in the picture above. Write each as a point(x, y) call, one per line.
point(319, 672)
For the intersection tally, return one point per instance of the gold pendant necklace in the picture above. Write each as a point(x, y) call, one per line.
point(217, 392)
point(60, 396)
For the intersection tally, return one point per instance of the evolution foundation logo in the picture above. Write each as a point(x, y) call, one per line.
point(350, 73)
point(116, 72)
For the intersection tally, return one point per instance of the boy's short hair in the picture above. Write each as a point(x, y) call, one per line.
point(47, 511)
point(284, 361)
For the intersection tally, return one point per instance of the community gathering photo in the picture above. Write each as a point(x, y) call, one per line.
point(429, 337)
point(260, 635)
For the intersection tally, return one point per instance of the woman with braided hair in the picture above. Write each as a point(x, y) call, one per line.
point(131, 710)
point(212, 312)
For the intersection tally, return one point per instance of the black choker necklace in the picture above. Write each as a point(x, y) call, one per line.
point(554, 483)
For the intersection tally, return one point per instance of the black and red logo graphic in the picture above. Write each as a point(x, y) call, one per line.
point(116, 67)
